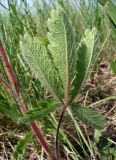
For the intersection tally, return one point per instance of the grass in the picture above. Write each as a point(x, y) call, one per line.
point(14, 22)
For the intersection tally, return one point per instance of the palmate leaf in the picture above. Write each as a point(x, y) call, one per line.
point(21, 146)
point(86, 59)
point(41, 64)
point(62, 46)
point(43, 109)
point(63, 69)
point(89, 116)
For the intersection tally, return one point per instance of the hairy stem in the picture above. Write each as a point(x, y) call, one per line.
point(58, 129)
point(24, 108)
point(65, 105)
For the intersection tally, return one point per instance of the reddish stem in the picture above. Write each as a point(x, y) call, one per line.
point(58, 129)
point(41, 139)
point(65, 105)
point(9, 68)
point(24, 108)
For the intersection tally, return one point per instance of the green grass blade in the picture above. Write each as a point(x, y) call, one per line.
point(21, 146)
point(79, 131)
point(111, 10)
point(8, 109)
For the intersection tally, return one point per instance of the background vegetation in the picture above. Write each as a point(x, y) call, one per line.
point(78, 141)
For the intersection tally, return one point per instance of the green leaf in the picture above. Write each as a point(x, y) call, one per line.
point(97, 136)
point(113, 66)
point(21, 146)
point(89, 117)
point(86, 59)
point(62, 46)
point(43, 110)
point(111, 11)
point(63, 70)
point(102, 2)
point(7, 109)
point(41, 64)
point(104, 146)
